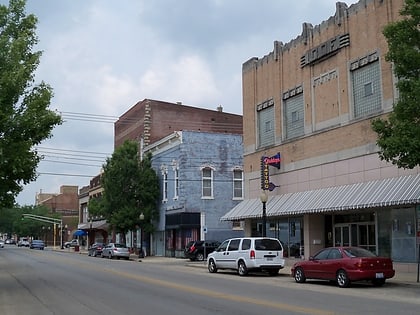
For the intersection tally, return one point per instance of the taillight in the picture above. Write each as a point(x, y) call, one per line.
point(192, 248)
point(252, 254)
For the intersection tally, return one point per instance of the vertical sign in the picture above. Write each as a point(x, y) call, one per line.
point(265, 174)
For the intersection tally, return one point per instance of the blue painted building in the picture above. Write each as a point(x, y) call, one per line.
point(201, 179)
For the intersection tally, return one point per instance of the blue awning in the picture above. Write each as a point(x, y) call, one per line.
point(79, 233)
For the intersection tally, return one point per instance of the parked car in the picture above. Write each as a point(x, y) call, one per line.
point(95, 249)
point(72, 243)
point(37, 244)
point(344, 265)
point(246, 254)
point(23, 243)
point(199, 250)
point(10, 241)
point(1, 244)
point(116, 250)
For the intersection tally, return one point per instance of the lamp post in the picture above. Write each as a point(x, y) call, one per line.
point(141, 217)
point(264, 198)
point(90, 231)
point(63, 228)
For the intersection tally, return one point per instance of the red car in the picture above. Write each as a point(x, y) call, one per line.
point(344, 265)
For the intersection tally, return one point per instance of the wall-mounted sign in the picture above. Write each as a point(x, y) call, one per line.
point(273, 161)
point(325, 50)
point(265, 174)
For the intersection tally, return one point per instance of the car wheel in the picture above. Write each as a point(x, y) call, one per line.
point(109, 255)
point(378, 282)
point(299, 275)
point(342, 279)
point(199, 257)
point(212, 266)
point(94, 253)
point(242, 269)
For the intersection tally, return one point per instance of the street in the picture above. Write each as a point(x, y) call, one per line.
point(59, 282)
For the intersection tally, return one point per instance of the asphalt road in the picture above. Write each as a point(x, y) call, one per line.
point(48, 282)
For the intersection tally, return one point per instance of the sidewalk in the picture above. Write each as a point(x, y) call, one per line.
point(402, 277)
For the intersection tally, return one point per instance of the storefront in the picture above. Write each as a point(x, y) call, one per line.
point(382, 216)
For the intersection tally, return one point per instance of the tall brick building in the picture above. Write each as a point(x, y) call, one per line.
point(312, 100)
point(151, 120)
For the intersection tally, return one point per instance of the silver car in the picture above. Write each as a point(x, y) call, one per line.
point(116, 250)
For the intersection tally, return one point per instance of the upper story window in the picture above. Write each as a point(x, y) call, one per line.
point(207, 182)
point(293, 108)
point(365, 78)
point(238, 184)
point(265, 117)
point(164, 171)
point(176, 183)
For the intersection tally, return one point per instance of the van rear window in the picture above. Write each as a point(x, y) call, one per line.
point(267, 244)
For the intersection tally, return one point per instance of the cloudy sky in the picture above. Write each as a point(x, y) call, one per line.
point(103, 56)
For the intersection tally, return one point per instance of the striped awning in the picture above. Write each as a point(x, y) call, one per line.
point(398, 191)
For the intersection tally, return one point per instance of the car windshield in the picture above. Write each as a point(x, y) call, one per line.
point(120, 245)
point(267, 244)
point(358, 252)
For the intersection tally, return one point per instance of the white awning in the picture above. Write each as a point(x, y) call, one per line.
point(100, 225)
point(398, 191)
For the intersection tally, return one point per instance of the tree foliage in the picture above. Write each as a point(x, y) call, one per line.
point(12, 221)
point(399, 135)
point(130, 187)
point(25, 119)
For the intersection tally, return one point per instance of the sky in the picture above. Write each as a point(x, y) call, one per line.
point(101, 57)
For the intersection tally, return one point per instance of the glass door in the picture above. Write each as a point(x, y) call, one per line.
point(342, 235)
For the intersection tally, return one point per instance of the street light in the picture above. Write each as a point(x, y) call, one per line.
point(264, 198)
point(141, 217)
point(63, 229)
point(90, 231)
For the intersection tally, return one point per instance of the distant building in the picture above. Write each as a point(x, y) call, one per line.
point(65, 203)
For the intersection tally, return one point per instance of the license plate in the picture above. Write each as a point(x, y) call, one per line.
point(379, 275)
point(269, 259)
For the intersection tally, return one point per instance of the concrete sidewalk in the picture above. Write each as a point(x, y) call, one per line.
point(407, 276)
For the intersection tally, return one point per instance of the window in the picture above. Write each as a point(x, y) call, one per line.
point(207, 182)
point(164, 171)
point(237, 184)
point(176, 183)
point(293, 116)
point(265, 117)
point(366, 95)
point(234, 244)
point(368, 89)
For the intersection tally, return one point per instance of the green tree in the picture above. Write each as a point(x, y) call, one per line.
point(131, 187)
point(25, 120)
point(399, 134)
point(12, 221)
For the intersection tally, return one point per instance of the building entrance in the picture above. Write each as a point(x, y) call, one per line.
point(361, 234)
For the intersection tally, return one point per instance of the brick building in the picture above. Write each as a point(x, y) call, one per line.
point(151, 120)
point(65, 203)
point(312, 100)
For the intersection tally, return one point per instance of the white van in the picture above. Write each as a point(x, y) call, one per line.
point(246, 254)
